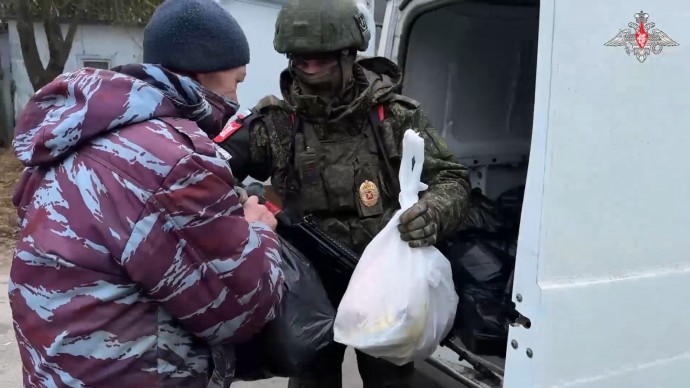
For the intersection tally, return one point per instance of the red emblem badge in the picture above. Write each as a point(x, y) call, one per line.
point(641, 38)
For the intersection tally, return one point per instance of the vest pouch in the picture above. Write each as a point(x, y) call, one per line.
point(339, 179)
point(312, 194)
point(362, 231)
point(392, 146)
point(368, 191)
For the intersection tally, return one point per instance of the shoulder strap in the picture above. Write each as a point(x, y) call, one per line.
point(272, 101)
point(376, 117)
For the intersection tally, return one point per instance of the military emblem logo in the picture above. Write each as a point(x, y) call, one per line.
point(641, 38)
point(362, 23)
point(369, 193)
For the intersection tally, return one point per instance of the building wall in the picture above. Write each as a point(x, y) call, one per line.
point(122, 45)
point(118, 45)
point(257, 18)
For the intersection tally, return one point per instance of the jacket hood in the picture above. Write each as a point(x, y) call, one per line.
point(383, 75)
point(376, 78)
point(89, 103)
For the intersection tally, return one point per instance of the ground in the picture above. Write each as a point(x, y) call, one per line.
point(10, 366)
point(10, 169)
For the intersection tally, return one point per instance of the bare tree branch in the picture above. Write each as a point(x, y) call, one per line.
point(59, 46)
point(27, 43)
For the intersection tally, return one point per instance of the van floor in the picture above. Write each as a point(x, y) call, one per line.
point(497, 362)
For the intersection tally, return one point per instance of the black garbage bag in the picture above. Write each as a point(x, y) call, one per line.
point(300, 338)
point(509, 204)
point(482, 257)
point(481, 260)
point(483, 317)
point(481, 273)
point(482, 215)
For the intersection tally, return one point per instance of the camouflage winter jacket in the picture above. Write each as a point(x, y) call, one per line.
point(134, 256)
point(329, 160)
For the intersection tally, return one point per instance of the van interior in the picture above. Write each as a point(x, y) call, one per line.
point(472, 66)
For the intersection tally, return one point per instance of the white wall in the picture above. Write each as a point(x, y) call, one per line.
point(118, 44)
point(257, 19)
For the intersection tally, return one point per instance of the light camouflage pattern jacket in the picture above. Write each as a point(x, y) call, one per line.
point(134, 257)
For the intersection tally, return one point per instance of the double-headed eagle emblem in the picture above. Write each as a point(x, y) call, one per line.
point(642, 39)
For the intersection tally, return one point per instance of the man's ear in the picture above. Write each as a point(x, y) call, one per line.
point(202, 78)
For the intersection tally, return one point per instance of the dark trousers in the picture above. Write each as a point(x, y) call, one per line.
point(375, 373)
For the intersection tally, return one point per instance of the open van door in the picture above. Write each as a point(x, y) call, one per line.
point(603, 258)
point(603, 262)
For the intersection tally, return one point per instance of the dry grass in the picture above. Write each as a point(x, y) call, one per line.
point(10, 169)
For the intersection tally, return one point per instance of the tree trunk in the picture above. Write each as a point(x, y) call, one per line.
point(59, 47)
point(27, 43)
point(5, 133)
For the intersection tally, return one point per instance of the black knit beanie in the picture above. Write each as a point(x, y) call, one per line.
point(194, 36)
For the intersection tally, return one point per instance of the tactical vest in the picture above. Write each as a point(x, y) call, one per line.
point(349, 183)
point(345, 182)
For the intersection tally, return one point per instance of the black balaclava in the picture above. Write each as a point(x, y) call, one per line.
point(333, 84)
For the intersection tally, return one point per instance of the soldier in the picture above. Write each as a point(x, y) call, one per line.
point(332, 148)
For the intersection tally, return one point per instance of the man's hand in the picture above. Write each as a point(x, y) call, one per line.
point(242, 193)
point(254, 212)
point(418, 226)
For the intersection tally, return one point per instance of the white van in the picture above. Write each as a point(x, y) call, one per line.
point(587, 102)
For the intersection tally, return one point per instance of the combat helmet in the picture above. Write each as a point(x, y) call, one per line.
point(320, 26)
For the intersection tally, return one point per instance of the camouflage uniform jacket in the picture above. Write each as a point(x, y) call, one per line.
point(134, 257)
point(335, 153)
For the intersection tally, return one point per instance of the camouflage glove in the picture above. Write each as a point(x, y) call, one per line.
point(418, 225)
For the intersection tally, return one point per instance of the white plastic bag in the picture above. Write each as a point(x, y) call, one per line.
point(401, 301)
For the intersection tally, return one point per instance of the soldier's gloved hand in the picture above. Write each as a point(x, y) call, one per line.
point(418, 226)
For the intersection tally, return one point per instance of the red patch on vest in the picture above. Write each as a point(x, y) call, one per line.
point(230, 128)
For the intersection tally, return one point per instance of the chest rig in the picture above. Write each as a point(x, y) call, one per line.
point(344, 175)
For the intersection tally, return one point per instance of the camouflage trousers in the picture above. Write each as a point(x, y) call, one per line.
point(375, 373)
